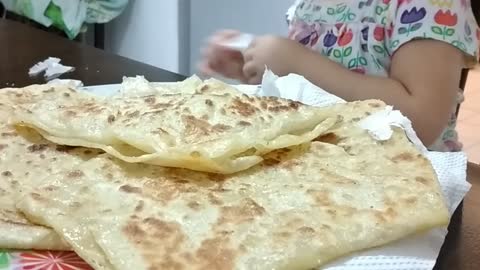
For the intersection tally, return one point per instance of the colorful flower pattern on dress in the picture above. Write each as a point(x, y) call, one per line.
point(4, 259)
point(363, 35)
point(446, 21)
point(52, 261)
point(411, 19)
point(42, 260)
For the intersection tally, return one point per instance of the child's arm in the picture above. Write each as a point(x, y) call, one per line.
point(428, 45)
point(423, 80)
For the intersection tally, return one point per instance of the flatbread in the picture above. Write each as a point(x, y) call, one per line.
point(215, 87)
point(215, 132)
point(300, 208)
point(25, 160)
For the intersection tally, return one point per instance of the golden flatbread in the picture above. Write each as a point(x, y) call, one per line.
point(26, 161)
point(215, 132)
point(300, 208)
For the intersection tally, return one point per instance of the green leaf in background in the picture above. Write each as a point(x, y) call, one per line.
point(337, 53)
point(4, 259)
point(103, 11)
point(27, 8)
point(54, 13)
point(347, 52)
point(449, 32)
point(437, 30)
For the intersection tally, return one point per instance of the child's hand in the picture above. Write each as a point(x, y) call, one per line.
point(218, 59)
point(277, 53)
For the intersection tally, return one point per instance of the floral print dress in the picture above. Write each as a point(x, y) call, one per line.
point(363, 35)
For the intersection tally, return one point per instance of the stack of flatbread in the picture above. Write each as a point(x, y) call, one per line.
point(196, 175)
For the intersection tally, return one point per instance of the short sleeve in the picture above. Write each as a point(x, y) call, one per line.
point(450, 21)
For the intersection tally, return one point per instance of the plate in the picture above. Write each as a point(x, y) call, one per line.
point(107, 90)
point(102, 90)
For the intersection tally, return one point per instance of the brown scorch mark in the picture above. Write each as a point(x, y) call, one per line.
point(75, 174)
point(130, 189)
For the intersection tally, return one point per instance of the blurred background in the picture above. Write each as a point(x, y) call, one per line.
point(166, 33)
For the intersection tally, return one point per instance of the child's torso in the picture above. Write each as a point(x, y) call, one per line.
point(352, 33)
point(359, 35)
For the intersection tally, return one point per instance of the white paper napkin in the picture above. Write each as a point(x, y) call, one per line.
point(52, 68)
point(238, 43)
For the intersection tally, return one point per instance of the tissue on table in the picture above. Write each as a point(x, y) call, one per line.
point(295, 87)
point(55, 70)
point(52, 68)
point(42, 66)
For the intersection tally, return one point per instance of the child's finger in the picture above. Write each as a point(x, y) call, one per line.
point(248, 55)
point(234, 70)
point(211, 47)
point(255, 80)
point(250, 70)
point(205, 70)
point(215, 52)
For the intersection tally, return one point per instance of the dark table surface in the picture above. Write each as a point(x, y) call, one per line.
point(22, 46)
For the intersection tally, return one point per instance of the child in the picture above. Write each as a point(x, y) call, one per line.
point(408, 53)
